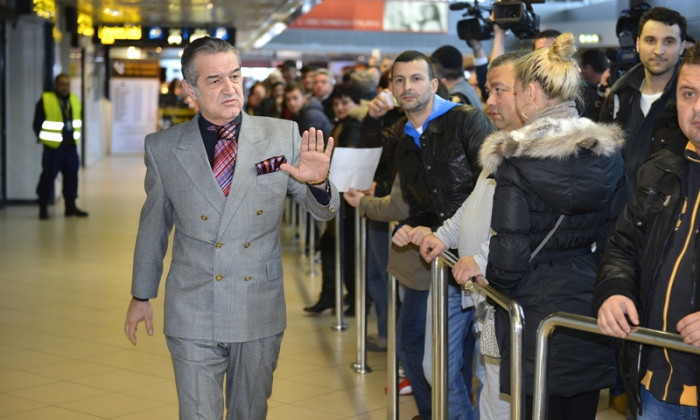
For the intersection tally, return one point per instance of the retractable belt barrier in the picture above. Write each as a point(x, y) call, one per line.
point(588, 324)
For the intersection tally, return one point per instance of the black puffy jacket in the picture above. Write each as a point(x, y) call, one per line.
point(550, 167)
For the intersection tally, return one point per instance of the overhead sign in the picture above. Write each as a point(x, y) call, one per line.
point(110, 33)
point(135, 68)
point(44, 8)
point(377, 15)
point(161, 35)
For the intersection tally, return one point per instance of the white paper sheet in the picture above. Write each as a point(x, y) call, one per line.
point(354, 168)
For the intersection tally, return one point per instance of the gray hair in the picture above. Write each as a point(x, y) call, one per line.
point(204, 45)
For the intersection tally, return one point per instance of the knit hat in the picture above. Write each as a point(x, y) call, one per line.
point(449, 57)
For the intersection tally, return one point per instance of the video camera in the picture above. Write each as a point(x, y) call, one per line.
point(477, 27)
point(517, 16)
point(626, 30)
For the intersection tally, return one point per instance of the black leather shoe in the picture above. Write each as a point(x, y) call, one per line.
point(319, 307)
point(74, 211)
point(350, 312)
point(43, 213)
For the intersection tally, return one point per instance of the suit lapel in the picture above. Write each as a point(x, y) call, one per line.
point(193, 158)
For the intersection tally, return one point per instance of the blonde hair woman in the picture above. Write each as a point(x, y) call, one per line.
point(560, 185)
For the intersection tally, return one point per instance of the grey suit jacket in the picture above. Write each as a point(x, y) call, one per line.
point(225, 278)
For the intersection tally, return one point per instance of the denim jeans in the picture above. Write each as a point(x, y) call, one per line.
point(459, 359)
point(653, 409)
point(377, 257)
point(459, 322)
point(410, 340)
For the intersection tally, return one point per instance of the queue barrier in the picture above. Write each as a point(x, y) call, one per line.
point(588, 324)
point(439, 284)
point(516, 317)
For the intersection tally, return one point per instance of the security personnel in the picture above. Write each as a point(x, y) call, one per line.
point(57, 123)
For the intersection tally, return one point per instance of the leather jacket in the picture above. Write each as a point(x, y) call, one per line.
point(635, 253)
point(437, 177)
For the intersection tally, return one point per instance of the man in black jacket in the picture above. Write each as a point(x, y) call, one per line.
point(649, 274)
point(642, 101)
point(437, 160)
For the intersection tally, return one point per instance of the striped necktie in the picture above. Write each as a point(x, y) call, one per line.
point(225, 155)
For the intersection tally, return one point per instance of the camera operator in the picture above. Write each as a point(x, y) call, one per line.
point(643, 100)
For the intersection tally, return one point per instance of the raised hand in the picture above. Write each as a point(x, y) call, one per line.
point(314, 160)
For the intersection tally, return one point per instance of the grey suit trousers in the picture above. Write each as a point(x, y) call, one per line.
point(202, 366)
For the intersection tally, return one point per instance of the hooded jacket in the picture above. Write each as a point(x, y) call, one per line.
point(556, 164)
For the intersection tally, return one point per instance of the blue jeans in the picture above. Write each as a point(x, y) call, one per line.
point(653, 409)
point(410, 341)
point(459, 323)
point(377, 257)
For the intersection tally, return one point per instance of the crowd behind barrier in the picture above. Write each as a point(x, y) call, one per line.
point(439, 268)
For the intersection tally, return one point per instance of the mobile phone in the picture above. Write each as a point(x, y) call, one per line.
point(389, 98)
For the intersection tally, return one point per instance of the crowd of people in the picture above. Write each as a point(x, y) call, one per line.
point(559, 188)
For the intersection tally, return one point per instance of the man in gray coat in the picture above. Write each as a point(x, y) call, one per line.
point(224, 297)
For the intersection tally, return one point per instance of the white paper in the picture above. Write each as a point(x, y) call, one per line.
point(354, 168)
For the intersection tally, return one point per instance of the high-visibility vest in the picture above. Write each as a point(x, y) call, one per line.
point(51, 133)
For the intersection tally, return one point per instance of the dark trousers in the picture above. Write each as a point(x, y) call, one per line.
point(65, 160)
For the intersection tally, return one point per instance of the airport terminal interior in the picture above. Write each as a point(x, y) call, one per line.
point(65, 282)
point(63, 296)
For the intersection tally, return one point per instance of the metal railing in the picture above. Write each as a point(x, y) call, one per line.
point(517, 327)
point(587, 324)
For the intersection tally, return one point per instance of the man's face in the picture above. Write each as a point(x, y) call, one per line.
point(218, 89)
point(411, 85)
point(257, 95)
point(688, 102)
point(659, 47)
point(500, 82)
point(308, 81)
point(542, 43)
point(289, 73)
point(322, 86)
point(63, 86)
point(295, 101)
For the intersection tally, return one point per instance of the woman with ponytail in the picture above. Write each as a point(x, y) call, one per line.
point(560, 186)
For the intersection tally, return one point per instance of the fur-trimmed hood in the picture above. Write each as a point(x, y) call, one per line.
point(549, 138)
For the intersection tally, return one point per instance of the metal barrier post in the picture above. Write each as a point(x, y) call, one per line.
point(360, 293)
point(588, 324)
point(303, 219)
point(392, 374)
point(339, 325)
point(439, 302)
point(312, 248)
point(294, 220)
point(516, 317)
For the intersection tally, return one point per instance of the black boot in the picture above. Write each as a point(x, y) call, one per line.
point(72, 210)
point(327, 298)
point(43, 212)
point(320, 306)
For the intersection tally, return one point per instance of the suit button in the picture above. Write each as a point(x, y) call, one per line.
point(332, 209)
point(219, 277)
point(204, 217)
point(259, 212)
point(247, 278)
point(218, 244)
point(246, 245)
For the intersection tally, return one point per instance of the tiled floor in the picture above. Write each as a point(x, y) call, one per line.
point(64, 288)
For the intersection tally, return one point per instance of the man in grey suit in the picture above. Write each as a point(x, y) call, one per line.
point(224, 298)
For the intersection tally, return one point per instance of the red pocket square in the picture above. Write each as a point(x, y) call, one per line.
point(270, 165)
